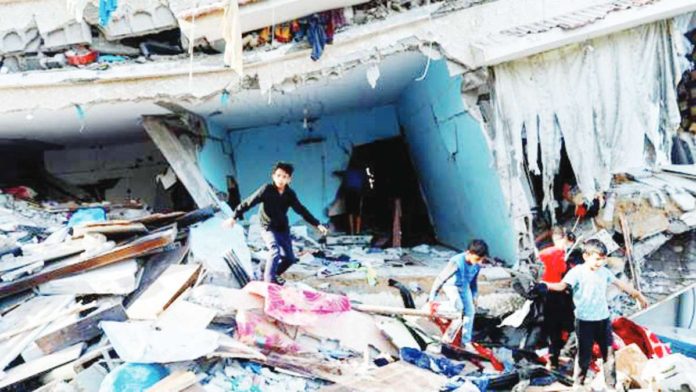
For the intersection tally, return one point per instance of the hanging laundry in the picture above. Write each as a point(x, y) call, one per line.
point(316, 36)
point(283, 33)
point(106, 8)
point(327, 21)
point(232, 33)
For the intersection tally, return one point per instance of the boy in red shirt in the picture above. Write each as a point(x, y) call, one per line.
point(558, 306)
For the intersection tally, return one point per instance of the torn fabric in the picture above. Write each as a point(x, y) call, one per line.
point(232, 33)
point(611, 99)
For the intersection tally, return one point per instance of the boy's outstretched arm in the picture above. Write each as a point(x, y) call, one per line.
point(300, 209)
point(630, 290)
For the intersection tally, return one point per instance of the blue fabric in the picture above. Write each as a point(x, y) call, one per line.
point(590, 292)
point(469, 311)
point(133, 377)
point(281, 255)
point(87, 215)
point(316, 37)
point(423, 360)
point(106, 8)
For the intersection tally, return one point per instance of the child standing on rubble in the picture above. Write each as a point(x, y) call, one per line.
point(589, 282)
point(465, 268)
point(558, 306)
point(276, 198)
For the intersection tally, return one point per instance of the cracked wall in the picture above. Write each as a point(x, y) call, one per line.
point(255, 150)
point(454, 164)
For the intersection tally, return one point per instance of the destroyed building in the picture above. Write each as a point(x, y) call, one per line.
point(469, 118)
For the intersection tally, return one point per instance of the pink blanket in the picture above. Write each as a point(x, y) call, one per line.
point(296, 306)
point(256, 329)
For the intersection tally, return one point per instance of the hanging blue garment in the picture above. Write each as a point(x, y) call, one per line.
point(316, 36)
point(106, 8)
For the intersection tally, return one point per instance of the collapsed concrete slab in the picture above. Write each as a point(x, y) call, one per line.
point(22, 26)
point(134, 19)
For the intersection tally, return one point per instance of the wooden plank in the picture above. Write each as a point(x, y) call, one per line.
point(41, 365)
point(136, 248)
point(159, 218)
point(106, 229)
point(39, 322)
point(163, 291)
point(82, 330)
point(175, 382)
point(36, 309)
point(155, 266)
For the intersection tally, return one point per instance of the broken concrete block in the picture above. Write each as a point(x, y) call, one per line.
point(139, 18)
point(17, 41)
point(630, 361)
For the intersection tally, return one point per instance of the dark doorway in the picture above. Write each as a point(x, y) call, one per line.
point(564, 181)
point(380, 176)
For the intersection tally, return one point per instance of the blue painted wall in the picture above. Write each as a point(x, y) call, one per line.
point(255, 150)
point(454, 165)
point(214, 160)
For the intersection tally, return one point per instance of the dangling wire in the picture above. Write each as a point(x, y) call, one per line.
point(430, 50)
point(192, 38)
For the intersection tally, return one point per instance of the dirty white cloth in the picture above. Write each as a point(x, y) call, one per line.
point(604, 98)
point(232, 33)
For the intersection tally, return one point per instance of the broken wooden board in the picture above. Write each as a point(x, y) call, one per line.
point(163, 291)
point(81, 330)
point(159, 218)
point(397, 376)
point(175, 382)
point(142, 342)
point(154, 267)
point(41, 365)
point(136, 248)
point(108, 228)
point(38, 308)
point(115, 279)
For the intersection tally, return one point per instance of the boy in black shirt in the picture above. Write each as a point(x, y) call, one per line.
point(276, 198)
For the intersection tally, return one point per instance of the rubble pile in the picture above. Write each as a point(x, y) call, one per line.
point(643, 211)
point(90, 301)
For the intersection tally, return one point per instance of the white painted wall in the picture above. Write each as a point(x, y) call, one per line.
point(136, 164)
